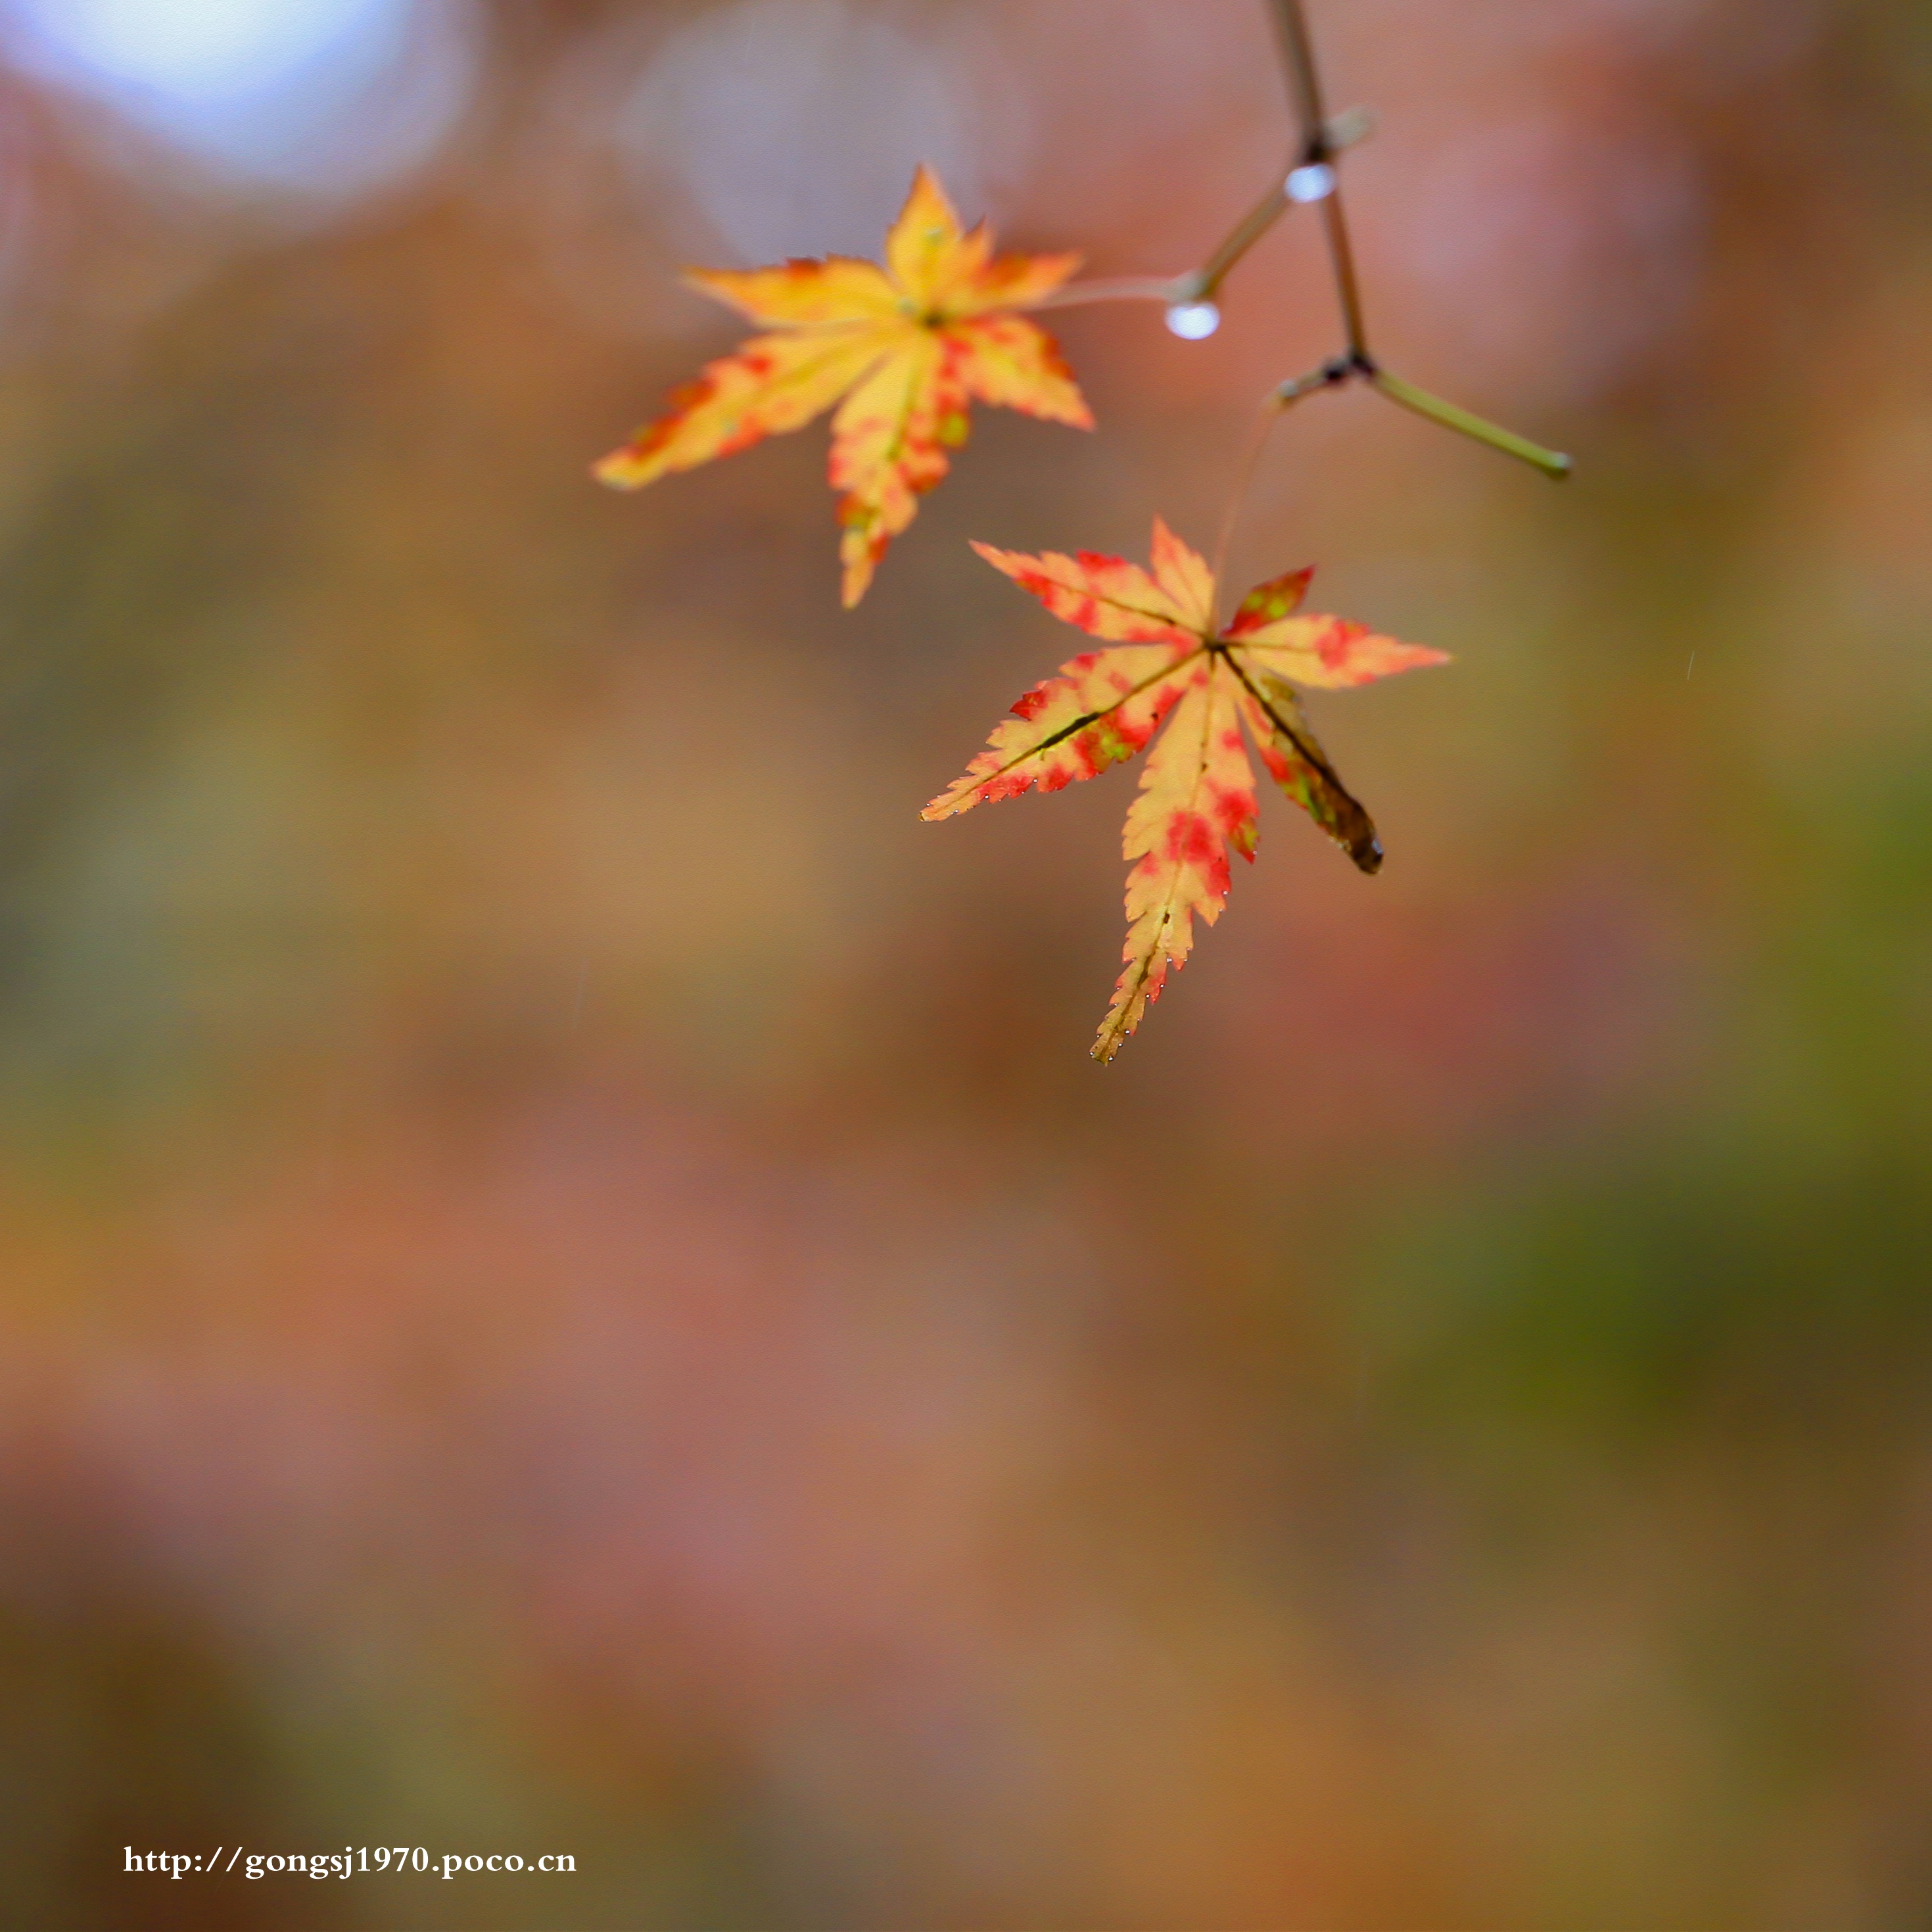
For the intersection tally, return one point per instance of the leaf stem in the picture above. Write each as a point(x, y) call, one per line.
point(1244, 477)
point(1119, 288)
point(1329, 375)
point(1552, 463)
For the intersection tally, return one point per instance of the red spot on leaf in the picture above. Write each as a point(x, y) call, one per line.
point(1336, 643)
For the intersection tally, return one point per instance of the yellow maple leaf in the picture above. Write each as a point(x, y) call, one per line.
point(909, 347)
point(1169, 659)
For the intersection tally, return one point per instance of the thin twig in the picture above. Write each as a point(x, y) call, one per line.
point(1342, 259)
point(1320, 143)
point(1319, 140)
point(1246, 233)
point(1297, 55)
point(1312, 146)
point(1320, 147)
point(1329, 375)
point(1304, 83)
point(1344, 131)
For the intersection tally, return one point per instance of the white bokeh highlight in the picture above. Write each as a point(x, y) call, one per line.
point(325, 97)
point(792, 126)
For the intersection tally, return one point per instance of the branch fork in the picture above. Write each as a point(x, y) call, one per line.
point(1312, 178)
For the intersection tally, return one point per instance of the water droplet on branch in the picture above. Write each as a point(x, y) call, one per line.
point(1193, 320)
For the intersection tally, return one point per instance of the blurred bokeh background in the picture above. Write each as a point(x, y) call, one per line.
point(566, 1281)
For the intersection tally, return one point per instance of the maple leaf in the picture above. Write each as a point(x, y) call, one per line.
point(908, 346)
point(1170, 659)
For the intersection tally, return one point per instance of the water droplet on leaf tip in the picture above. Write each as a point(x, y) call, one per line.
point(1314, 182)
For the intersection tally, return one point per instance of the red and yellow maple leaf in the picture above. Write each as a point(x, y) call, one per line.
point(908, 346)
point(1169, 658)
